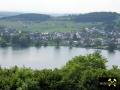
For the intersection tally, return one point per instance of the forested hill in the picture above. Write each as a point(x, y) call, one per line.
point(97, 17)
point(94, 17)
point(63, 23)
point(88, 17)
point(28, 17)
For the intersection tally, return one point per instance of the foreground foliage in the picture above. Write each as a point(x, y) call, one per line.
point(80, 73)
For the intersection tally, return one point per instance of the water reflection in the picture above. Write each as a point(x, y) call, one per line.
point(50, 56)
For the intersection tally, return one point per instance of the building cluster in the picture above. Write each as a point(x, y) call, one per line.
point(87, 37)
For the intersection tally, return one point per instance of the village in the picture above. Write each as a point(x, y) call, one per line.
point(89, 37)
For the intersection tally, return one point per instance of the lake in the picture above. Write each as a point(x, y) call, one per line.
point(49, 57)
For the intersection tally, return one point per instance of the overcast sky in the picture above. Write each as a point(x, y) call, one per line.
point(60, 6)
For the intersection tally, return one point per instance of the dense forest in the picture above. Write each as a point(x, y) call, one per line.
point(80, 73)
point(28, 17)
point(97, 17)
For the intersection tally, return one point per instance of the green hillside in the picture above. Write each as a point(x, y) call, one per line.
point(97, 17)
point(27, 17)
point(47, 23)
point(47, 26)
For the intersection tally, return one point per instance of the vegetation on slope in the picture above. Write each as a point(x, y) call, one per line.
point(47, 26)
point(97, 17)
point(28, 17)
point(47, 23)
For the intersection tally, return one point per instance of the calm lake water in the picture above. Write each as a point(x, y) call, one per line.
point(49, 57)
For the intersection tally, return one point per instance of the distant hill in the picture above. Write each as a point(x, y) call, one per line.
point(6, 14)
point(96, 17)
point(62, 23)
point(28, 17)
point(88, 17)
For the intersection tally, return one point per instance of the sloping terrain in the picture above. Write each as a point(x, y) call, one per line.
point(66, 23)
point(27, 17)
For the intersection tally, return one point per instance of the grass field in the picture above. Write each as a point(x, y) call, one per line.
point(47, 26)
